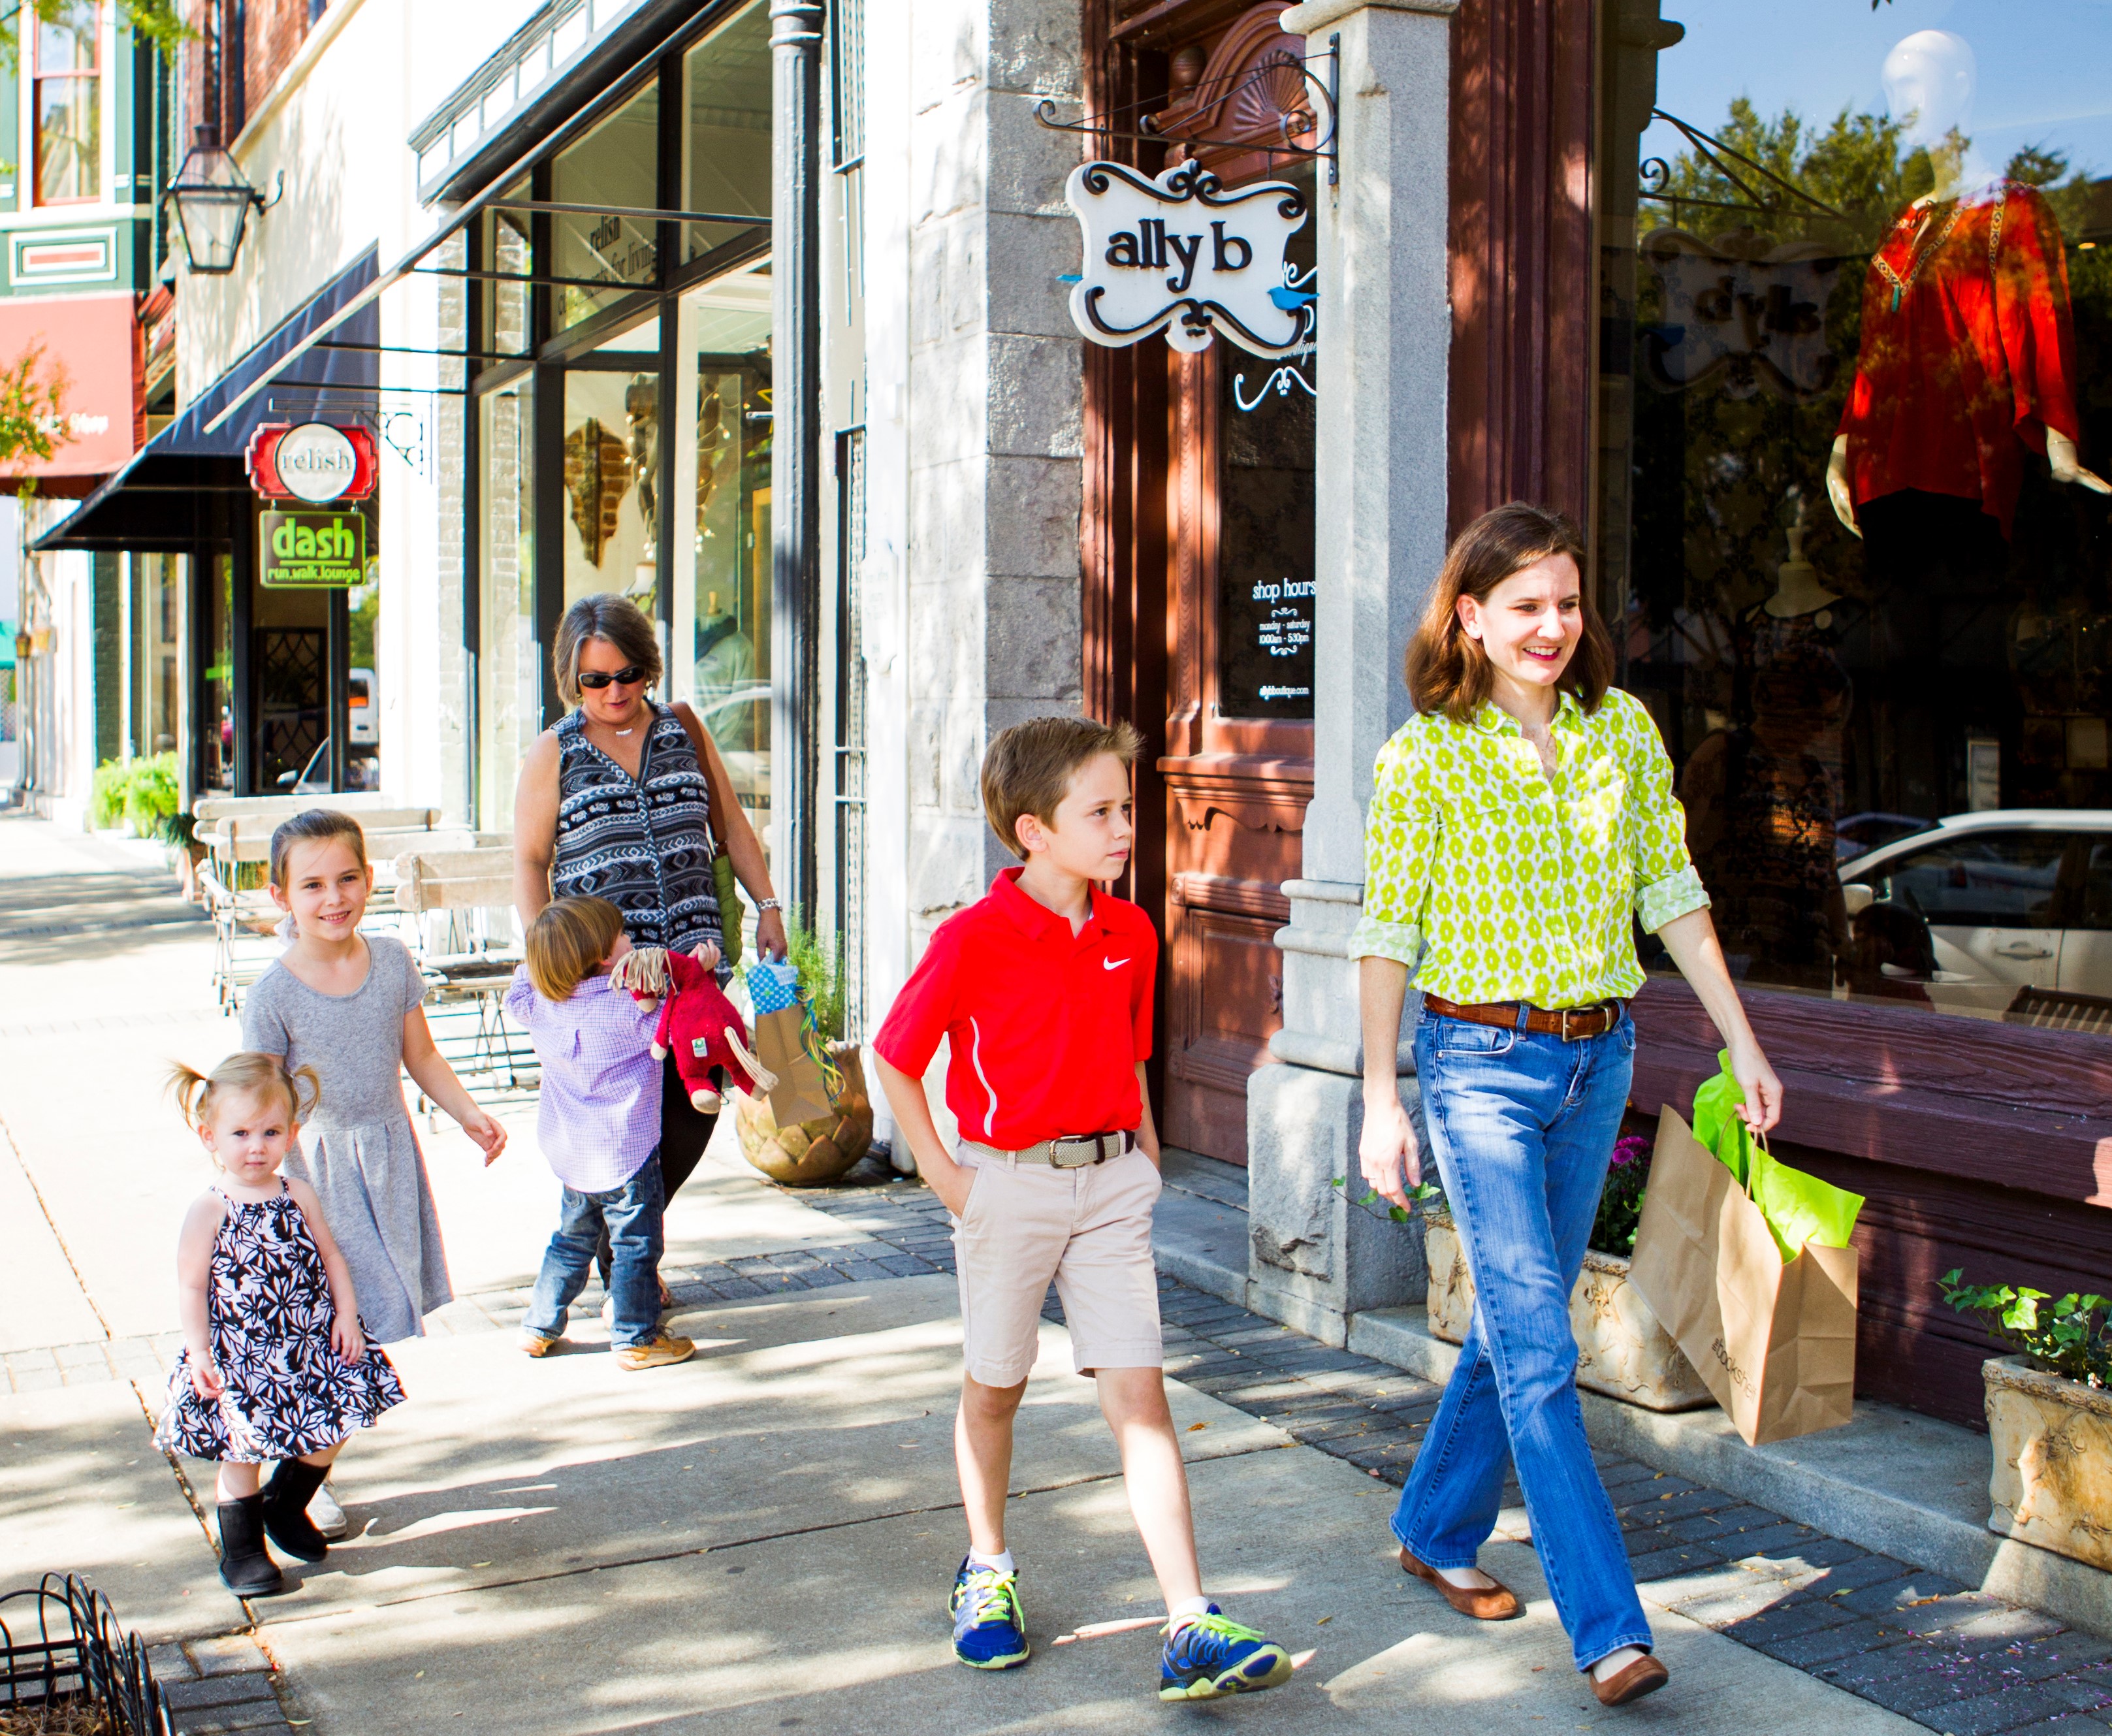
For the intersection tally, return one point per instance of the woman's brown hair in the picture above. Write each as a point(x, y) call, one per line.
point(615, 620)
point(1448, 671)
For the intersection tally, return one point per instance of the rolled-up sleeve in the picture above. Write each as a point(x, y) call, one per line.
point(1667, 886)
point(1400, 842)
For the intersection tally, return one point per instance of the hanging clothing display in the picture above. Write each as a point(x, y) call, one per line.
point(1967, 352)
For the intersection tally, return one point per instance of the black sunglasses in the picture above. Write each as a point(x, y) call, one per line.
point(596, 679)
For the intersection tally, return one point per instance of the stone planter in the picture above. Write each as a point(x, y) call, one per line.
point(2052, 1481)
point(814, 1151)
point(1621, 1350)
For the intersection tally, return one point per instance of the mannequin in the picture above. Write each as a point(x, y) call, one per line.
point(1930, 412)
point(1798, 590)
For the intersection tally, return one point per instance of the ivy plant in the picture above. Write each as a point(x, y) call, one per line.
point(2071, 1336)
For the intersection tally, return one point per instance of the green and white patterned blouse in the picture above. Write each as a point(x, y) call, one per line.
point(1502, 886)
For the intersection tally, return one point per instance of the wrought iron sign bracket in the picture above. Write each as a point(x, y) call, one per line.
point(1136, 121)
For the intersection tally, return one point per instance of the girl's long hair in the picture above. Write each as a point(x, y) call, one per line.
point(247, 1073)
point(1449, 672)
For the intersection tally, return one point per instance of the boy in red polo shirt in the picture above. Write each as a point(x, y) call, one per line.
point(1044, 990)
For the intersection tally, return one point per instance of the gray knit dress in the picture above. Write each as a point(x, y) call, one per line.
point(359, 1152)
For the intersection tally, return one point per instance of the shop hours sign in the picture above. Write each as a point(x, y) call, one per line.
point(1185, 255)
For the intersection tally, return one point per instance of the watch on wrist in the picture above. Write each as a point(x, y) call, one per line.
point(763, 905)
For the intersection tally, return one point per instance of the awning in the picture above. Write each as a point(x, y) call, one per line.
point(101, 413)
point(170, 497)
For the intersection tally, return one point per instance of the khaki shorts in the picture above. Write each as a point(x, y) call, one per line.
point(1089, 1230)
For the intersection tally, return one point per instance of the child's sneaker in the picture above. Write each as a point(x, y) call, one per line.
point(534, 1343)
point(989, 1627)
point(657, 1352)
point(1211, 1656)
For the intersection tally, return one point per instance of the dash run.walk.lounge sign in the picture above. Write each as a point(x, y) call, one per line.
point(1185, 255)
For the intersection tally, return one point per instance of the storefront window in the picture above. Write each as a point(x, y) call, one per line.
point(726, 145)
point(615, 163)
point(219, 719)
point(68, 105)
point(1853, 399)
point(612, 469)
point(721, 570)
point(509, 666)
point(156, 651)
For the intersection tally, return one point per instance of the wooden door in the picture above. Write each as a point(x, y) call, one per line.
point(1199, 540)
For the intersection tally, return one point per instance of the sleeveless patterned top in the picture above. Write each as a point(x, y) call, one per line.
point(641, 843)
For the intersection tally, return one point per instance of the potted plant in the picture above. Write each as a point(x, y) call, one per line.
point(812, 1152)
point(1623, 1350)
point(2049, 1415)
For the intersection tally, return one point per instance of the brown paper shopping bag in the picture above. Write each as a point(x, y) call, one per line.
point(1774, 1340)
point(801, 1093)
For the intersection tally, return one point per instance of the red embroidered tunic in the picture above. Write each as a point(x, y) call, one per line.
point(1967, 351)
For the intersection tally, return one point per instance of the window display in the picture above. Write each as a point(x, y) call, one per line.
point(1851, 532)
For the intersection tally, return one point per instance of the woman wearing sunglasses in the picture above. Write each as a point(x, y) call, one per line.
point(622, 800)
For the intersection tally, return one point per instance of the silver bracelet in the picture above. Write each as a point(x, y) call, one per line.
point(763, 905)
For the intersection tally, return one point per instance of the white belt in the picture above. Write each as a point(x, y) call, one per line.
point(1073, 1151)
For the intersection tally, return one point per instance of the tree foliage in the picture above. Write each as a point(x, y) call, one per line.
point(31, 401)
point(159, 22)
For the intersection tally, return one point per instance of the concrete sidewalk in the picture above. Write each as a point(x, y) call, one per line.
point(761, 1538)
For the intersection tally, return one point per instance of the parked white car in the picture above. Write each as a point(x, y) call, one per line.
point(2011, 899)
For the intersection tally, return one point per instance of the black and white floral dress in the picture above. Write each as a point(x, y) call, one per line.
point(269, 1311)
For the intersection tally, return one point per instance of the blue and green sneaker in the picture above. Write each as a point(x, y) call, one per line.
point(989, 1627)
point(1211, 1655)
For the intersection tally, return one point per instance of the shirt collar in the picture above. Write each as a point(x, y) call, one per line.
point(1493, 720)
point(1037, 921)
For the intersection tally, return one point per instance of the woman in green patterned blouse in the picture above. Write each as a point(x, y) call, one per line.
point(1521, 823)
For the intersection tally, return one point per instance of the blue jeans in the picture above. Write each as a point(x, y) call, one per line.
point(631, 1216)
point(1523, 1127)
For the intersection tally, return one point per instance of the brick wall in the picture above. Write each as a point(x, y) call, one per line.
point(270, 32)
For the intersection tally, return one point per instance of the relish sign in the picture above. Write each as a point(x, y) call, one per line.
point(313, 462)
point(1184, 255)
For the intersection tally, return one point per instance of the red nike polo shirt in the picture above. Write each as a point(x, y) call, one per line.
point(1046, 1026)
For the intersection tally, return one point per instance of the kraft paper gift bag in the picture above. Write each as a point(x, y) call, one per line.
point(1774, 1340)
point(788, 1044)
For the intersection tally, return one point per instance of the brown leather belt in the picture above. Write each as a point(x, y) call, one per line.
point(1572, 1025)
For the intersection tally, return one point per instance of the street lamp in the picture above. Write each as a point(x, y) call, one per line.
point(212, 197)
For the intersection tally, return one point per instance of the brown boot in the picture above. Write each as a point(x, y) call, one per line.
point(1490, 1603)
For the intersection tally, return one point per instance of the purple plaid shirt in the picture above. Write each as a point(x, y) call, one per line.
point(600, 1116)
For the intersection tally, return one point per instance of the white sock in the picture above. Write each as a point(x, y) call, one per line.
point(1000, 1562)
point(1179, 1614)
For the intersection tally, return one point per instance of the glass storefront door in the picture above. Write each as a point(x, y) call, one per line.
point(509, 674)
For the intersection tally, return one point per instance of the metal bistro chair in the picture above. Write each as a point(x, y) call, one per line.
point(246, 921)
point(461, 904)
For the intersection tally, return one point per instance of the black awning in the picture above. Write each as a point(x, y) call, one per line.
point(169, 498)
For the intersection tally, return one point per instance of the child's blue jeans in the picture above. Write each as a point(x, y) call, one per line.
point(632, 1216)
point(1523, 1127)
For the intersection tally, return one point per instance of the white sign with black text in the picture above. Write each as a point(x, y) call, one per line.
point(1184, 254)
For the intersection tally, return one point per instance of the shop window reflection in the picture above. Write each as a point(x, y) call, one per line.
point(1850, 395)
point(721, 560)
point(509, 663)
point(725, 137)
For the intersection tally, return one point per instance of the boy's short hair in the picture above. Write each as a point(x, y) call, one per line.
point(568, 941)
point(1029, 767)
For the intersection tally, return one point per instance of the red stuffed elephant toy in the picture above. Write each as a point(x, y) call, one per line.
point(697, 1022)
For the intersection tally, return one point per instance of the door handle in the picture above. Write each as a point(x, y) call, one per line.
point(2023, 950)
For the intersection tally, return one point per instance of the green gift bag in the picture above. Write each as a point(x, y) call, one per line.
point(1798, 1208)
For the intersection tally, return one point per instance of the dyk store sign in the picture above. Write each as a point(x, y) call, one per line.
point(1183, 255)
point(305, 551)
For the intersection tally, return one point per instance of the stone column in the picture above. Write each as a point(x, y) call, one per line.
point(1385, 329)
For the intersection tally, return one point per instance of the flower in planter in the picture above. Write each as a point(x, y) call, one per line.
point(2072, 1338)
point(1621, 1201)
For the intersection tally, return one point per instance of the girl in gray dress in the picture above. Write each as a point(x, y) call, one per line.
point(351, 1006)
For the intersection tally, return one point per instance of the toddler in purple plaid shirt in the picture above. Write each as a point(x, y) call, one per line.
point(598, 1127)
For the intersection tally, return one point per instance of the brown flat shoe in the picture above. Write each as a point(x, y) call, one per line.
point(1644, 1676)
point(1489, 1603)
